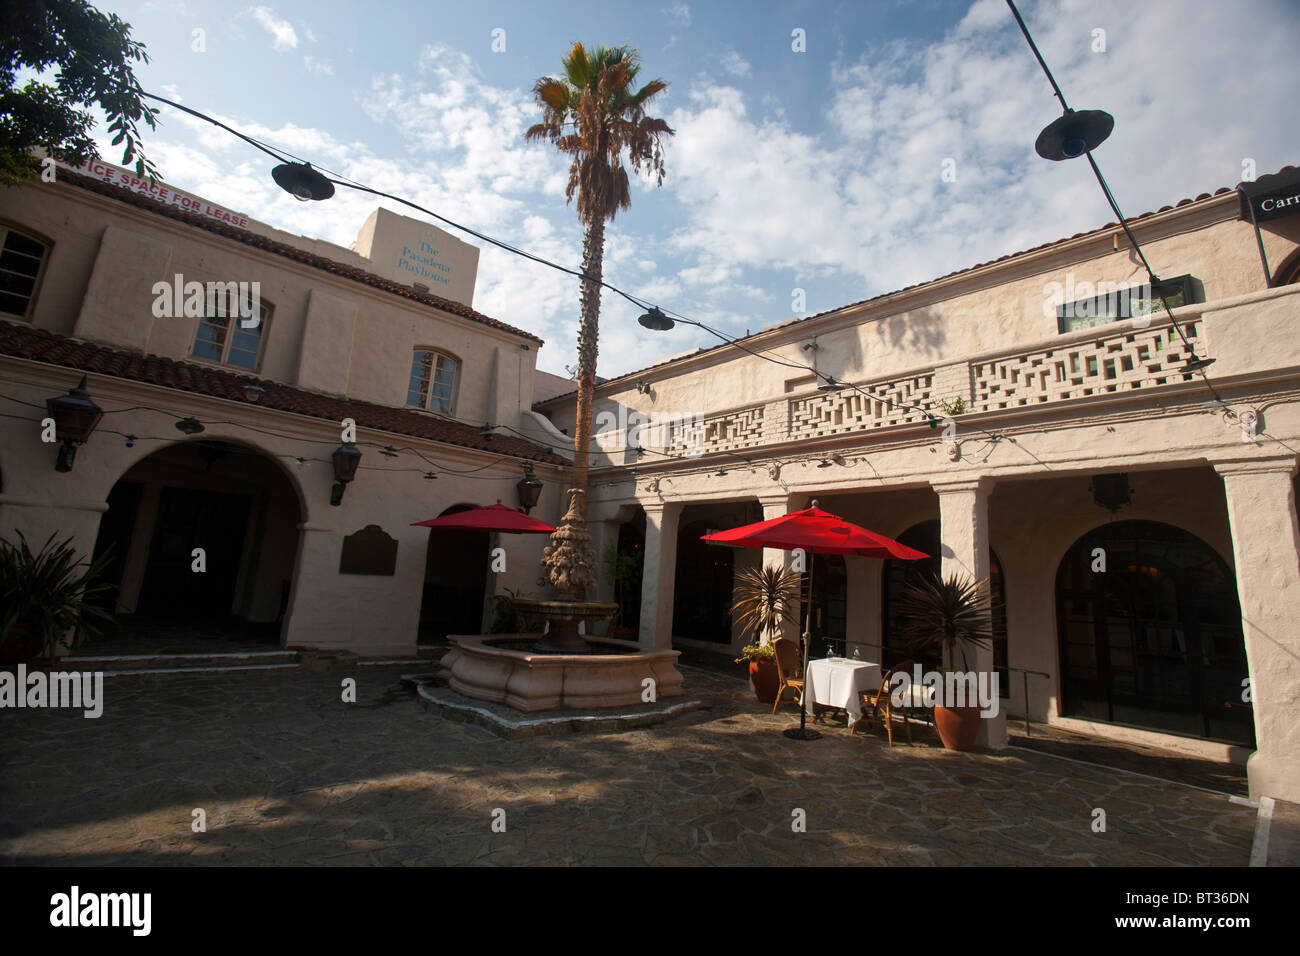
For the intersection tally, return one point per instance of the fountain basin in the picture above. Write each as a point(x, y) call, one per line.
point(614, 676)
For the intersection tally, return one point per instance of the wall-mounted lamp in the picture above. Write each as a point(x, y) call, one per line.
point(530, 490)
point(189, 426)
point(346, 459)
point(643, 387)
point(253, 393)
point(75, 417)
point(1111, 492)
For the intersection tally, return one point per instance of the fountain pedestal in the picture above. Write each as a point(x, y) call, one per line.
point(563, 618)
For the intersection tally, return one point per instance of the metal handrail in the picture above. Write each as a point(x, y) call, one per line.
point(1022, 670)
point(1027, 672)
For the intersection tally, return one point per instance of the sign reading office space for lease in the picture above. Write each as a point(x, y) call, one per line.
point(127, 179)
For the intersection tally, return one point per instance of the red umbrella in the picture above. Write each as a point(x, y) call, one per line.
point(492, 518)
point(814, 531)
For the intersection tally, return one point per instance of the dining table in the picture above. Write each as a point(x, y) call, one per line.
point(837, 682)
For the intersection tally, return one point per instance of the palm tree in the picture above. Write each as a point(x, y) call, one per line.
point(593, 115)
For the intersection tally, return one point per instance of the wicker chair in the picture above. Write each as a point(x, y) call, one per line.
point(787, 665)
point(880, 704)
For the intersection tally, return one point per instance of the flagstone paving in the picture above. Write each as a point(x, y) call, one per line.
point(288, 774)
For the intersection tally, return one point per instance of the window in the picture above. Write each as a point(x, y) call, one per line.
point(21, 258)
point(1116, 301)
point(434, 377)
point(222, 336)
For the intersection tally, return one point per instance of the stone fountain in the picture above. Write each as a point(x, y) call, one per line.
point(562, 669)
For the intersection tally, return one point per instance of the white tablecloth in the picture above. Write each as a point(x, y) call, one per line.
point(836, 682)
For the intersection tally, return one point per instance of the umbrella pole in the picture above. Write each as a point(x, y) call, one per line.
point(803, 733)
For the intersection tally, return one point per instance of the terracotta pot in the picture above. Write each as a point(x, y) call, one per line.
point(958, 726)
point(764, 678)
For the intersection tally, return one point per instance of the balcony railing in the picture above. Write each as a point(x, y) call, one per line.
point(1109, 360)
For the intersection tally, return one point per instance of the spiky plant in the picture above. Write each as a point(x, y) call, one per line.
point(763, 598)
point(944, 616)
point(44, 594)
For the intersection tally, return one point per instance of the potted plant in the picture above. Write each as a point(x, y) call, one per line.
point(43, 599)
point(948, 617)
point(764, 598)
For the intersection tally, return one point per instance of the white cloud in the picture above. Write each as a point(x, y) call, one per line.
point(678, 13)
point(283, 37)
point(318, 67)
point(735, 64)
point(863, 200)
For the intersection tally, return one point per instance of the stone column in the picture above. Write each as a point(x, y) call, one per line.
point(964, 534)
point(1266, 549)
point(658, 578)
point(774, 506)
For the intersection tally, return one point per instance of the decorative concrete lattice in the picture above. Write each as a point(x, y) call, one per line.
point(830, 413)
point(1118, 363)
point(739, 429)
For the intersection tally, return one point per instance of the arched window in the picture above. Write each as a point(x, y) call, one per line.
point(435, 378)
point(22, 257)
point(1150, 633)
point(1289, 272)
point(227, 333)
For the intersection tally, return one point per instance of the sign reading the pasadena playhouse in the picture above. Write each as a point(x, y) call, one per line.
point(412, 252)
point(163, 193)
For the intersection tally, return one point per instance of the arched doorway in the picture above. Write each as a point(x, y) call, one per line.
point(704, 580)
point(455, 581)
point(204, 536)
point(927, 537)
point(1154, 640)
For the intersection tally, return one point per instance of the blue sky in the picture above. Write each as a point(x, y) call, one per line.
point(819, 170)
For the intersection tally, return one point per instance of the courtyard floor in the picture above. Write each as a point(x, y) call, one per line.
point(285, 773)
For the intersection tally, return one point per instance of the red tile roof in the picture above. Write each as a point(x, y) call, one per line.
point(148, 204)
point(39, 345)
point(885, 295)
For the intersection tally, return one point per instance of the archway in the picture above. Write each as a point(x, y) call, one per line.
point(702, 592)
point(1150, 633)
point(204, 535)
point(627, 569)
point(927, 537)
point(455, 581)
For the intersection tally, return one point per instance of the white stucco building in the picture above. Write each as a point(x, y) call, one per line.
point(1063, 435)
point(419, 374)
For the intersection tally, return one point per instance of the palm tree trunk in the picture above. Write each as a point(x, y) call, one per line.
point(593, 259)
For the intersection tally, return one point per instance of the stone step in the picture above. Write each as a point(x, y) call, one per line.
point(114, 665)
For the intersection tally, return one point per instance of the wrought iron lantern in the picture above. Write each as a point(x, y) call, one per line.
point(530, 490)
point(346, 459)
point(75, 417)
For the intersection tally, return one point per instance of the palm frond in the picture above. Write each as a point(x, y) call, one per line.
point(763, 598)
point(945, 616)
